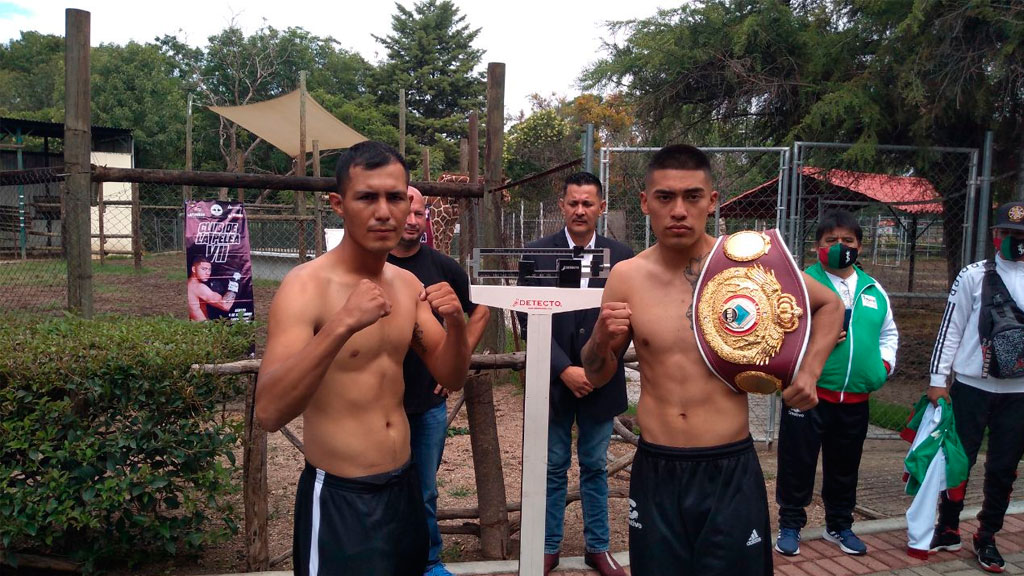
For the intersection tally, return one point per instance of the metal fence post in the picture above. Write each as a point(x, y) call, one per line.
point(985, 201)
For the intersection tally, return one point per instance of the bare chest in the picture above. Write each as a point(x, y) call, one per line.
point(662, 318)
point(387, 337)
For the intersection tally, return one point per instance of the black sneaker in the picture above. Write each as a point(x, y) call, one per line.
point(945, 539)
point(988, 556)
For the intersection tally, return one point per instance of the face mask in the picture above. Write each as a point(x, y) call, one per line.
point(1010, 248)
point(837, 256)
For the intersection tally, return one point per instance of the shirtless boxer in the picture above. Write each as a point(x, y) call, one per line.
point(200, 296)
point(697, 496)
point(339, 328)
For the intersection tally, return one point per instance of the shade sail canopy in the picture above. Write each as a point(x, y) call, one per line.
point(277, 122)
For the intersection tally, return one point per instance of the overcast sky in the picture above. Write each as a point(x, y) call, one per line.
point(545, 44)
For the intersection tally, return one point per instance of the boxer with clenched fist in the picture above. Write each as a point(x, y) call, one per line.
point(697, 497)
point(339, 328)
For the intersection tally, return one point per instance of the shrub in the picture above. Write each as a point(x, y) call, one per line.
point(109, 445)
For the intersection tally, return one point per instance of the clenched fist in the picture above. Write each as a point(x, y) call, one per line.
point(365, 305)
point(613, 325)
point(443, 301)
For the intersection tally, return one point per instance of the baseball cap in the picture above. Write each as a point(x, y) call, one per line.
point(1010, 216)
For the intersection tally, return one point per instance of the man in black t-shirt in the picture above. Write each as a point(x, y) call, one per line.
point(424, 397)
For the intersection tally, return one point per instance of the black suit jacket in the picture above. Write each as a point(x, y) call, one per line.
point(571, 330)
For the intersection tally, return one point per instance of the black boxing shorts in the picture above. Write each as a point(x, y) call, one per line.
point(698, 511)
point(367, 525)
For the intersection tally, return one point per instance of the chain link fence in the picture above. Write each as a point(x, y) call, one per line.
point(918, 209)
point(33, 271)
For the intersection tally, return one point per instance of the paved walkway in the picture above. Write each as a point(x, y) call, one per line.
point(886, 540)
point(887, 544)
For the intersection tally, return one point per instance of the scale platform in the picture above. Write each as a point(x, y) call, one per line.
point(539, 303)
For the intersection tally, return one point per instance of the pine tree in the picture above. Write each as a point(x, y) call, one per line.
point(430, 55)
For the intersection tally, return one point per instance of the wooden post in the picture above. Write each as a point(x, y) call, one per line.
point(186, 190)
point(401, 122)
point(240, 168)
point(318, 234)
point(77, 147)
point(101, 215)
point(300, 168)
point(136, 229)
point(463, 205)
point(490, 481)
point(490, 221)
point(426, 163)
point(468, 234)
point(254, 480)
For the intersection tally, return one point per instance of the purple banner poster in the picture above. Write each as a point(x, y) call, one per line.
point(218, 266)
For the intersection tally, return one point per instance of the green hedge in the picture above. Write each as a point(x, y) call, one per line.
point(109, 446)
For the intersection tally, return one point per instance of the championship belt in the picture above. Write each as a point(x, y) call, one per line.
point(752, 314)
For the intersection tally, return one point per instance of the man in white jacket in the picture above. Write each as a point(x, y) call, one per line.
point(981, 401)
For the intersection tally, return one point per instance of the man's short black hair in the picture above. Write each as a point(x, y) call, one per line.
point(583, 179)
point(838, 219)
point(368, 155)
point(198, 258)
point(679, 157)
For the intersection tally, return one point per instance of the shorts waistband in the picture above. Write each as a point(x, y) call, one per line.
point(361, 483)
point(718, 452)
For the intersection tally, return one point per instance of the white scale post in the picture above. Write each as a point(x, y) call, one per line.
point(539, 303)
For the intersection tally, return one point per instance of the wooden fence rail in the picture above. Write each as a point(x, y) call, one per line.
point(254, 460)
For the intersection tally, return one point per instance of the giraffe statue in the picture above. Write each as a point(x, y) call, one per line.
point(444, 214)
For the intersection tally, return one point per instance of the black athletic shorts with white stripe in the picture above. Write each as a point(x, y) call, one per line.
point(372, 525)
point(700, 511)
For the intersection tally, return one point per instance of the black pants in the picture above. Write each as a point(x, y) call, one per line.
point(698, 511)
point(373, 525)
point(838, 432)
point(1003, 415)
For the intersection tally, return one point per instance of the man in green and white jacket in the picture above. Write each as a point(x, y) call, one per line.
point(863, 358)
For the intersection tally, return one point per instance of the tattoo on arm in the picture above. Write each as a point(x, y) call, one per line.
point(692, 274)
point(594, 362)
point(417, 339)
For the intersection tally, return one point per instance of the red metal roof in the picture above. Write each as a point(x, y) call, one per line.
point(911, 194)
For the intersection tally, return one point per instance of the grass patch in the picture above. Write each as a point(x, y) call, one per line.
point(33, 273)
point(459, 492)
point(458, 431)
point(888, 415)
point(125, 268)
point(452, 553)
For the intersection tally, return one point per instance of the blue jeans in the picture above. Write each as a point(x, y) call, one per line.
point(592, 451)
point(427, 433)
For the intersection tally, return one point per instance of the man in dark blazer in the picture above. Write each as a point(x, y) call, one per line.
point(573, 399)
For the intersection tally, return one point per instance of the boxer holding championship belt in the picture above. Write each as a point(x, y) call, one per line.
point(752, 312)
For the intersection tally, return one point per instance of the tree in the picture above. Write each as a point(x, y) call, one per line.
point(430, 55)
point(921, 72)
point(32, 77)
point(550, 135)
point(926, 72)
point(133, 87)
